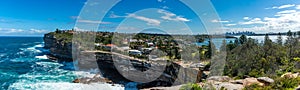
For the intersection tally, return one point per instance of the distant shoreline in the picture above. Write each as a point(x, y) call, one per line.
point(23, 36)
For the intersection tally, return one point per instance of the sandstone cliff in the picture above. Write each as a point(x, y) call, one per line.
point(58, 47)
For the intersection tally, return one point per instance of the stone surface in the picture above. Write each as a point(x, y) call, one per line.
point(58, 48)
point(290, 75)
point(250, 81)
point(219, 78)
point(228, 86)
point(237, 81)
point(265, 80)
point(76, 81)
point(171, 74)
point(197, 65)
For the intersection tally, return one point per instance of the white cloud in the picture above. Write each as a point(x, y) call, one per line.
point(92, 21)
point(165, 7)
point(253, 21)
point(282, 21)
point(113, 15)
point(219, 21)
point(230, 25)
point(34, 31)
point(172, 16)
point(282, 6)
point(160, 0)
point(149, 21)
point(286, 12)
point(74, 17)
point(14, 31)
point(246, 18)
point(288, 20)
point(122, 28)
point(298, 7)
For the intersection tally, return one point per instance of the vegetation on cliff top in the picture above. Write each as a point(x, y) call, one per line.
point(250, 58)
point(65, 36)
point(246, 57)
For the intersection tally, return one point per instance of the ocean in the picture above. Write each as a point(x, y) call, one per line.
point(24, 66)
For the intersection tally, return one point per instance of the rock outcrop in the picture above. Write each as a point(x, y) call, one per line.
point(265, 80)
point(219, 78)
point(58, 47)
point(290, 75)
point(172, 73)
point(227, 83)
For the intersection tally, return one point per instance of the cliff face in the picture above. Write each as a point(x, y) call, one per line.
point(173, 74)
point(58, 48)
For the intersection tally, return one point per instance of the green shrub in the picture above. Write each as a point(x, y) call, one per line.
point(257, 87)
point(191, 86)
point(279, 84)
point(286, 83)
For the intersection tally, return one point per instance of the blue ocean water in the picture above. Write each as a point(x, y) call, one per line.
point(24, 66)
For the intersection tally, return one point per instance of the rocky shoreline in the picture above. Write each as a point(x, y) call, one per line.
point(59, 49)
point(174, 74)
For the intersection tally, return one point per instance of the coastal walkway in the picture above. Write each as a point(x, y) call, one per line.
point(186, 65)
point(117, 54)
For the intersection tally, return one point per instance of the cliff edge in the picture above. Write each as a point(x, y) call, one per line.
point(59, 44)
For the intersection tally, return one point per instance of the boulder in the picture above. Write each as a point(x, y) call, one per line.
point(290, 75)
point(76, 81)
point(219, 78)
point(250, 81)
point(228, 86)
point(265, 80)
point(197, 65)
point(237, 81)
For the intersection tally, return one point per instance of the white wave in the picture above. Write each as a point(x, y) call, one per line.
point(24, 44)
point(57, 79)
point(41, 57)
point(39, 45)
point(49, 76)
point(63, 86)
point(34, 48)
point(52, 65)
point(84, 74)
point(22, 60)
point(2, 54)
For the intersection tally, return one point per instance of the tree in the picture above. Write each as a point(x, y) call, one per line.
point(231, 46)
point(211, 49)
point(279, 39)
point(243, 39)
point(57, 31)
point(236, 42)
point(289, 33)
point(298, 33)
point(223, 47)
point(267, 40)
point(289, 43)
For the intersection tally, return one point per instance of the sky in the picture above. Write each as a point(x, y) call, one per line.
point(37, 17)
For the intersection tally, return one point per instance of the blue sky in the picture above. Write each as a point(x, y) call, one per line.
point(36, 17)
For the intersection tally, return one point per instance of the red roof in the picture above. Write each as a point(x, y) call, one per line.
point(110, 45)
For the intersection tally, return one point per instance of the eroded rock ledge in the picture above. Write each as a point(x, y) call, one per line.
point(59, 49)
point(173, 73)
